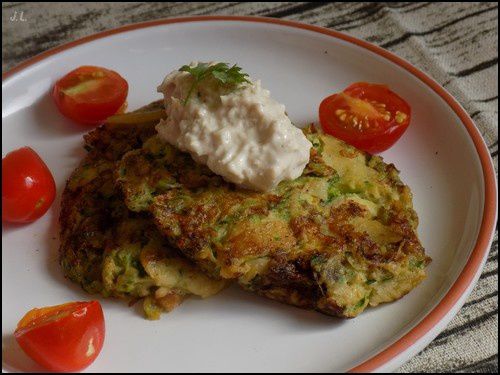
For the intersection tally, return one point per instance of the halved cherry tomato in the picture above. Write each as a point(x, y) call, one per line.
point(368, 116)
point(66, 337)
point(28, 188)
point(90, 94)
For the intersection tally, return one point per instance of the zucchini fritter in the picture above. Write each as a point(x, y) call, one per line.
point(109, 250)
point(338, 239)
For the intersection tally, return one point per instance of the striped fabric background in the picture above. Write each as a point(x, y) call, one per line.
point(456, 43)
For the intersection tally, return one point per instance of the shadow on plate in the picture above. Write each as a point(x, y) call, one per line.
point(14, 359)
point(12, 227)
point(236, 303)
point(51, 123)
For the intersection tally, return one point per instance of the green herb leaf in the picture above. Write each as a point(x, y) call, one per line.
point(233, 75)
point(360, 304)
point(387, 278)
point(417, 263)
point(221, 72)
point(318, 144)
point(333, 190)
point(317, 260)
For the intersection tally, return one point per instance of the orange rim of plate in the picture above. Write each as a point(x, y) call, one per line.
point(482, 245)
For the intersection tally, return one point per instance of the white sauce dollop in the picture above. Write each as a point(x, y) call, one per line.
point(242, 135)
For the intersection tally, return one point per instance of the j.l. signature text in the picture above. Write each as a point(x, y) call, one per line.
point(18, 17)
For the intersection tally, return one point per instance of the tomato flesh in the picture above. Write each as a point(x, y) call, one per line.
point(63, 338)
point(90, 94)
point(28, 188)
point(368, 116)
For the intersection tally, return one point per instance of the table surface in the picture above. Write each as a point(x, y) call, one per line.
point(456, 43)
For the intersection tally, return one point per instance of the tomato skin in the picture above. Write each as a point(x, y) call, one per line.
point(378, 132)
point(58, 337)
point(104, 95)
point(28, 188)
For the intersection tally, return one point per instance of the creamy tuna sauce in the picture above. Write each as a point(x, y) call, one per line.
point(241, 134)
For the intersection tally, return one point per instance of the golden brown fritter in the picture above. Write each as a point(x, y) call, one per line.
point(337, 239)
point(109, 250)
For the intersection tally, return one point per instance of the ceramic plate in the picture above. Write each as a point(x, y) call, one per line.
point(441, 157)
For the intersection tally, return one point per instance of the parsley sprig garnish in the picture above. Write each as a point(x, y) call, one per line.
point(230, 76)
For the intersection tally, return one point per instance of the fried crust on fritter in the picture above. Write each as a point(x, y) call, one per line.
point(105, 247)
point(337, 239)
point(88, 198)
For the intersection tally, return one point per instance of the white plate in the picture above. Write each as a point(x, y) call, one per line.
point(441, 157)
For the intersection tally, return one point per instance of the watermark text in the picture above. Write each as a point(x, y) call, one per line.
point(18, 16)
